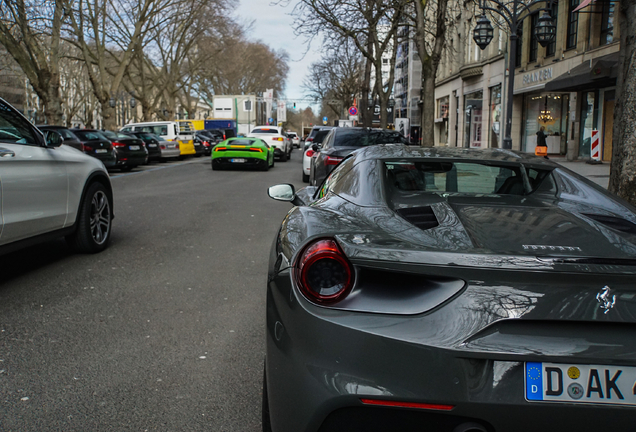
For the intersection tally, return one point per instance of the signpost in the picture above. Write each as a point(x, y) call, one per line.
point(353, 111)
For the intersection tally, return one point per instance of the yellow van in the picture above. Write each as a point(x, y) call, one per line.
point(182, 132)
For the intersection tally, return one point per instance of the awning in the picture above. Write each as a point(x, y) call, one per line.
point(596, 74)
point(584, 3)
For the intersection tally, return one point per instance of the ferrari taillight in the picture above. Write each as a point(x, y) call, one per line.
point(330, 160)
point(324, 274)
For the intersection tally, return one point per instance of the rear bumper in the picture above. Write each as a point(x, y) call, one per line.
point(323, 362)
point(224, 162)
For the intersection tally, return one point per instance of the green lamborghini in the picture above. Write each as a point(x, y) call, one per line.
point(243, 152)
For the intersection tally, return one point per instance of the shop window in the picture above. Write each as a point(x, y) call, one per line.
point(472, 126)
point(547, 111)
point(534, 44)
point(495, 116)
point(607, 23)
point(573, 25)
point(550, 49)
point(519, 53)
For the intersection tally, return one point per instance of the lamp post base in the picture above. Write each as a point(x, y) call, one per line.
point(507, 143)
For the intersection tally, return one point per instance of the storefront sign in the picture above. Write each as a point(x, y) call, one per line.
point(537, 77)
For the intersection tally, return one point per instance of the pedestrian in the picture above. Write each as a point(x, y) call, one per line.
point(542, 146)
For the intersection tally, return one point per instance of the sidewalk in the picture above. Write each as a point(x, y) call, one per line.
point(599, 174)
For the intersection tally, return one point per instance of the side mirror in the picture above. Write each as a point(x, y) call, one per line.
point(53, 139)
point(282, 192)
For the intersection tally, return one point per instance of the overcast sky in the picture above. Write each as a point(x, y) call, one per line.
point(273, 25)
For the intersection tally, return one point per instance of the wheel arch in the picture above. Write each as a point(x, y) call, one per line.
point(98, 177)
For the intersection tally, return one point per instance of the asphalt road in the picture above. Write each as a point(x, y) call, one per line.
point(163, 331)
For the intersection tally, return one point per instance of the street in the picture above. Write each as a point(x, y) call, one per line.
point(163, 331)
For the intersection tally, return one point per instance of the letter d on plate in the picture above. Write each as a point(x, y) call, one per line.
point(534, 381)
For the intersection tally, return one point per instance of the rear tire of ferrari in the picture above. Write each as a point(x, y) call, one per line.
point(94, 221)
point(267, 425)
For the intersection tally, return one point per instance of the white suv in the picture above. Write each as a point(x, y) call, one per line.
point(49, 190)
point(274, 135)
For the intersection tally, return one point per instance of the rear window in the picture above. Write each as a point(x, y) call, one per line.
point(66, 134)
point(244, 142)
point(320, 136)
point(460, 177)
point(116, 135)
point(363, 137)
point(156, 129)
point(89, 136)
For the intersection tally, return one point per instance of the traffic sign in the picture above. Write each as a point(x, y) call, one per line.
point(353, 111)
point(325, 119)
point(271, 120)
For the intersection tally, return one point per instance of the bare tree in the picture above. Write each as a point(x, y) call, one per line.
point(430, 22)
point(107, 33)
point(371, 25)
point(337, 78)
point(623, 170)
point(31, 33)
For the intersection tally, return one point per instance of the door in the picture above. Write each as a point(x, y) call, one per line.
point(34, 181)
point(608, 125)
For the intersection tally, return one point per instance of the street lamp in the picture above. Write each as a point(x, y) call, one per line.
point(513, 13)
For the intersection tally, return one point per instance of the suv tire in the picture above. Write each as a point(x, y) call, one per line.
point(94, 221)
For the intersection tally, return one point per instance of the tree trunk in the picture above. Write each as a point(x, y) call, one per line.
point(109, 116)
point(366, 111)
point(53, 102)
point(427, 115)
point(623, 168)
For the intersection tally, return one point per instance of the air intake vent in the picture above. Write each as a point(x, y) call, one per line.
point(616, 223)
point(421, 217)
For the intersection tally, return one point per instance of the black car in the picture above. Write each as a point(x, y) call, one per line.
point(152, 144)
point(69, 138)
point(95, 144)
point(131, 152)
point(199, 148)
point(340, 142)
point(451, 289)
point(316, 135)
point(209, 140)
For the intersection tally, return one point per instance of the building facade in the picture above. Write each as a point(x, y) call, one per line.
point(567, 87)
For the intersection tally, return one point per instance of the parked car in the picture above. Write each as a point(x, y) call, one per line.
point(465, 290)
point(131, 152)
point(199, 148)
point(317, 135)
point(95, 144)
point(274, 135)
point(243, 153)
point(69, 138)
point(295, 139)
point(169, 150)
point(340, 142)
point(182, 133)
point(209, 139)
point(152, 143)
point(50, 190)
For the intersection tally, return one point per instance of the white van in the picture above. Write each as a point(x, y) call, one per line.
point(182, 132)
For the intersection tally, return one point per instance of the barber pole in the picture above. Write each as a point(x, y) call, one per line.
point(596, 146)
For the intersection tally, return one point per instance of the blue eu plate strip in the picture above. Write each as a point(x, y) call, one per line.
point(534, 381)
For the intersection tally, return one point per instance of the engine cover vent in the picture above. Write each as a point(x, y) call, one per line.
point(614, 222)
point(421, 217)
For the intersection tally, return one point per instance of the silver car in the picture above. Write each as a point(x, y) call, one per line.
point(49, 190)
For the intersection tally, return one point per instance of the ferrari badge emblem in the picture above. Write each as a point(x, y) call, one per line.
point(606, 300)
